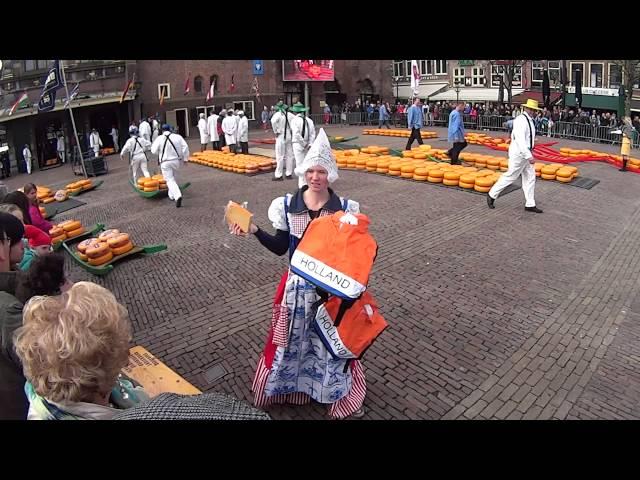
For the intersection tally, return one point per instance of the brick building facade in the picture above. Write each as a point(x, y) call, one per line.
point(364, 79)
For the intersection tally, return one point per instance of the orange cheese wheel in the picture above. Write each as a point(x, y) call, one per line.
point(564, 179)
point(56, 231)
point(393, 173)
point(468, 179)
point(436, 173)
point(97, 250)
point(118, 240)
point(48, 200)
point(59, 239)
point(452, 175)
point(70, 225)
point(547, 176)
point(406, 175)
point(450, 183)
point(102, 259)
point(76, 232)
point(478, 188)
point(122, 249)
point(420, 178)
point(462, 184)
point(107, 234)
point(82, 256)
point(484, 182)
point(431, 179)
point(149, 183)
point(141, 181)
point(407, 169)
point(82, 246)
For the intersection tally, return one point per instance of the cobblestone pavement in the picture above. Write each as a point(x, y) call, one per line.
point(494, 314)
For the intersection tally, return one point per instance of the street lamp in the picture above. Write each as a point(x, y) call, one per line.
point(457, 89)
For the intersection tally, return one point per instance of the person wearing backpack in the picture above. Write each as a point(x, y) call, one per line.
point(296, 366)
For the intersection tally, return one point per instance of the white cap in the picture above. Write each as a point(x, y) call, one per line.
point(240, 112)
point(320, 154)
point(202, 115)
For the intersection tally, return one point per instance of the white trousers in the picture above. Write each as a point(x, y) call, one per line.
point(28, 164)
point(96, 150)
point(284, 157)
point(169, 169)
point(299, 153)
point(139, 161)
point(116, 147)
point(60, 156)
point(230, 139)
point(517, 166)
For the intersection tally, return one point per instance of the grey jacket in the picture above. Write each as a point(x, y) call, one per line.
point(13, 402)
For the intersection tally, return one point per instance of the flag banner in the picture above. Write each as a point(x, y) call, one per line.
point(23, 101)
point(52, 83)
point(415, 78)
point(212, 90)
point(72, 95)
point(187, 88)
point(232, 87)
point(128, 87)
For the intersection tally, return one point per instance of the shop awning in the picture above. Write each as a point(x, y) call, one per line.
point(474, 94)
point(426, 90)
point(600, 102)
point(108, 97)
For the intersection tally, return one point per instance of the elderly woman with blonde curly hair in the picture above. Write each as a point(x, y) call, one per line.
point(72, 348)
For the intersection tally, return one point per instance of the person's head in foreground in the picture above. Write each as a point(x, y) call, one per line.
point(72, 348)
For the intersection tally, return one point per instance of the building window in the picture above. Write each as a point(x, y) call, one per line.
point(398, 68)
point(43, 64)
point(458, 75)
point(576, 69)
point(497, 72)
point(537, 71)
point(246, 107)
point(197, 84)
point(164, 88)
point(615, 75)
point(554, 72)
point(29, 65)
point(595, 74)
point(424, 67)
point(441, 67)
point(477, 76)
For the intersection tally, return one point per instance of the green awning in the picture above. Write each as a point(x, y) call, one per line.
point(600, 102)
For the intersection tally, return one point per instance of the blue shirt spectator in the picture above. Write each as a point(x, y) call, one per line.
point(456, 127)
point(415, 117)
point(384, 115)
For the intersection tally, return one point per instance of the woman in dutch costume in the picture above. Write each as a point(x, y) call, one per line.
point(295, 366)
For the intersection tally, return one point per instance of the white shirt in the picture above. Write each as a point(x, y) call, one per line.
point(145, 129)
point(229, 125)
point(60, 146)
point(114, 133)
point(212, 125)
point(26, 153)
point(243, 129)
point(522, 136)
point(95, 140)
point(181, 151)
point(296, 129)
point(136, 149)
